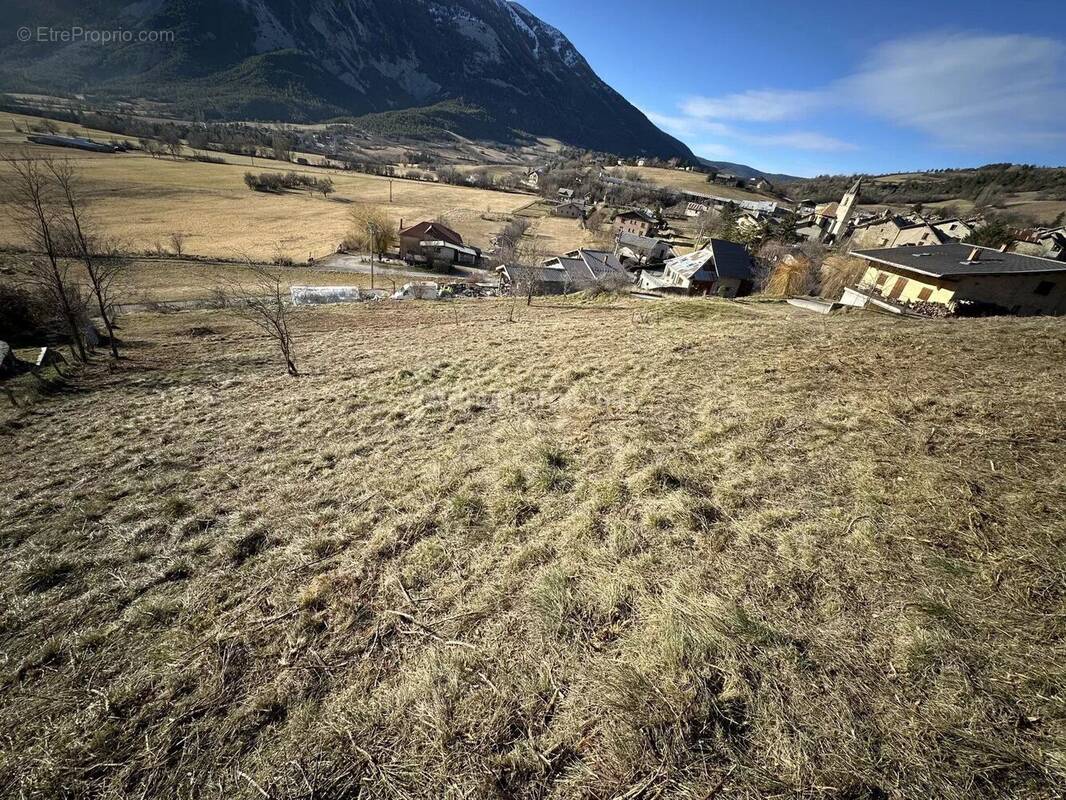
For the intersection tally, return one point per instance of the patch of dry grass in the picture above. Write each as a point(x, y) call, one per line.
point(613, 549)
point(694, 182)
point(142, 200)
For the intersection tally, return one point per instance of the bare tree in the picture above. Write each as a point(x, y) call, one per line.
point(177, 242)
point(31, 197)
point(529, 254)
point(265, 302)
point(102, 268)
point(372, 230)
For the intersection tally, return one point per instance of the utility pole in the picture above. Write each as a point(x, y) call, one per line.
point(370, 230)
point(390, 190)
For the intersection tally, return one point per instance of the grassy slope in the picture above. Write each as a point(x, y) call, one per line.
point(654, 549)
point(142, 200)
point(695, 182)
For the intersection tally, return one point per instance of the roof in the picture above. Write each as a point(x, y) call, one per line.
point(638, 213)
point(431, 231)
point(648, 243)
point(652, 279)
point(578, 269)
point(882, 219)
point(726, 259)
point(731, 260)
point(952, 260)
point(599, 262)
point(459, 248)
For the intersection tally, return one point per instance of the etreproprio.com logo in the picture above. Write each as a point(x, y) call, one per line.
point(78, 35)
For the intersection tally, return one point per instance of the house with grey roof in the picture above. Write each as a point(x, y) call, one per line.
point(720, 268)
point(643, 249)
point(957, 278)
point(570, 209)
point(572, 272)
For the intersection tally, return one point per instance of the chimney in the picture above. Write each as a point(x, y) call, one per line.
point(975, 255)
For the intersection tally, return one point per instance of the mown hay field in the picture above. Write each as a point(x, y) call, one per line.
point(142, 200)
point(614, 549)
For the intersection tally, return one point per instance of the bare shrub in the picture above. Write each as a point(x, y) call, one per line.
point(264, 302)
point(177, 242)
point(31, 196)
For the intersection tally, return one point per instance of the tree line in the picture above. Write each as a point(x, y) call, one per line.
point(984, 186)
point(282, 181)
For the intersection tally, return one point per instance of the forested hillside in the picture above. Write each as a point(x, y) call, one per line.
point(983, 185)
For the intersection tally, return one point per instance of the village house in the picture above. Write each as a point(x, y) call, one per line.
point(572, 272)
point(434, 241)
point(1044, 242)
point(727, 179)
point(894, 231)
point(955, 229)
point(636, 221)
point(809, 230)
point(443, 253)
point(643, 249)
point(961, 278)
point(695, 209)
point(825, 214)
point(748, 221)
point(720, 268)
point(532, 177)
point(571, 209)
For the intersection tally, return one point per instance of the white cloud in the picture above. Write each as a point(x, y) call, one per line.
point(991, 92)
point(713, 150)
point(766, 105)
point(801, 140)
point(688, 126)
point(965, 89)
point(694, 128)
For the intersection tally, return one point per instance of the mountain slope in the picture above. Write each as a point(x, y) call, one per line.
point(312, 60)
point(744, 171)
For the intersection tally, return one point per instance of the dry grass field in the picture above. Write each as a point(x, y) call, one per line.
point(159, 280)
point(610, 549)
point(555, 235)
point(694, 182)
point(142, 200)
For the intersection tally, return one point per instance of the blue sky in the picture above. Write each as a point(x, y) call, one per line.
point(836, 87)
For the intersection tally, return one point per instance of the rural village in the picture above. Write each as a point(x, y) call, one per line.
point(407, 452)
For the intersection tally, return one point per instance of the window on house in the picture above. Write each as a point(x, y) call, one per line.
point(925, 294)
point(881, 278)
point(1044, 288)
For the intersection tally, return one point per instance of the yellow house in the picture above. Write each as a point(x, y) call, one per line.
point(962, 278)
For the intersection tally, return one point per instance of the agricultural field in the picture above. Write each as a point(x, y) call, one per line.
point(162, 280)
point(142, 200)
point(695, 182)
point(583, 548)
point(555, 235)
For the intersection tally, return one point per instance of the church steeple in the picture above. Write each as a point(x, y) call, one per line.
point(845, 210)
